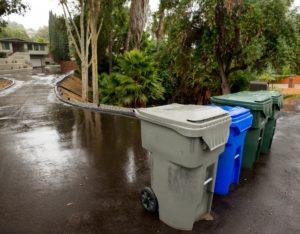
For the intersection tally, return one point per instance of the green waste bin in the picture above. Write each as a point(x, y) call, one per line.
point(270, 127)
point(261, 109)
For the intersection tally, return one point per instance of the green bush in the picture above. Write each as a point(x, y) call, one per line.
point(240, 80)
point(107, 85)
point(3, 55)
point(135, 84)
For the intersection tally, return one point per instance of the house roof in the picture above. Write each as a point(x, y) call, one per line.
point(11, 39)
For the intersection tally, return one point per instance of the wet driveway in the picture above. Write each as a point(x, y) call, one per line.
point(65, 170)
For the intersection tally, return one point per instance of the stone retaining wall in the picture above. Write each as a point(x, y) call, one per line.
point(92, 106)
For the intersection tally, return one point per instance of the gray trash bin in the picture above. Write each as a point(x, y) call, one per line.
point(185, 142)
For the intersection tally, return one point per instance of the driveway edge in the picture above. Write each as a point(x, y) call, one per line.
point(7, 87)
point(129, 112)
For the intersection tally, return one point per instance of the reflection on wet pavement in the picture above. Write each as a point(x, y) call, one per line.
point(292, 104)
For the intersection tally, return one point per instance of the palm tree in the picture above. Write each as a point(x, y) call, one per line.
point(135, 83)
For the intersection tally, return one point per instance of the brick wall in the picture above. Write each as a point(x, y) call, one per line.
point(67, 66)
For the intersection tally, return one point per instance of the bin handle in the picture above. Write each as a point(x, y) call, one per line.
point(206, 182)
point(236, 156)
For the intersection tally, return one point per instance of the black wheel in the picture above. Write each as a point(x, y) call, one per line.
point(148, 200)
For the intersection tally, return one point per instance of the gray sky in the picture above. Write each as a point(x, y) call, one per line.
point(37, 16)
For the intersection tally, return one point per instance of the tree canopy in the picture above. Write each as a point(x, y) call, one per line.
point(13, 29)
point(198, 47)
point(8, 7)
point(211, 42)
point(41, 35)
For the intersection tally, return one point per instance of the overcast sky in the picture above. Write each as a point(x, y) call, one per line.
point(38, 15)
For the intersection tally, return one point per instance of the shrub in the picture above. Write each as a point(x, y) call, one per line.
point(135, 84)
point(240, 80)
point(3, 55)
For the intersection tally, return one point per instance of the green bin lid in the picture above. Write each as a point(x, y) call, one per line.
point(276, 96)
point(250, 100)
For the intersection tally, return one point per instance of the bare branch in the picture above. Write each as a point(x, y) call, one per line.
point(70, 32)
point(100, 26)
point(72, 21)
point(82, 31)
point(87, 38)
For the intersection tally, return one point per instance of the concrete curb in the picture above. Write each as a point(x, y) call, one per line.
point(7, 87)
point(128, 112)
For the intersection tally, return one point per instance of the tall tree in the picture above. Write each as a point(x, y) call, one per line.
point(58, 38)
point(8, 7)
point(158, 24)
point(137, 22)
point(80, 38)
point(224, 8)
point(248, 35)
point(95, 27)
point(85, 38)
point(115, 14)
point(216, 40)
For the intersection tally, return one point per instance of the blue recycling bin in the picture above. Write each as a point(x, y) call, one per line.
point(230, 161)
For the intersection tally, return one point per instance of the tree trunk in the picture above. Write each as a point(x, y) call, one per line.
point(224, 78)
point(85, 80)
point(95, 72)
point(225, 84)
point(220, 26)
point(80, 37)
point(95, 25)
point(159, 28)
point(110, 51)
point(94, 43)
point(128, 39)
point(137, 22)
point(84, 55)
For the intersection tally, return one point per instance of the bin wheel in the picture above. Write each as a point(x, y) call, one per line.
point(148, 200)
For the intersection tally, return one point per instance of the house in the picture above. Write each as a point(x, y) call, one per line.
point(33, 52)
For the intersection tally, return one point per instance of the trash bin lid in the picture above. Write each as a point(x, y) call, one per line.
point(235, 112)
point(241, 117)
point(191, 121)
point(250, 100)
point(276, 96)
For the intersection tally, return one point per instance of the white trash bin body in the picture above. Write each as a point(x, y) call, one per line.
point(185, 142)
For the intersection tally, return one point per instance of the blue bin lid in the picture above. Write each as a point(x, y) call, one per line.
point(241, 117)
point(236, 111)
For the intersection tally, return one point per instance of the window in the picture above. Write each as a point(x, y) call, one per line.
point(30, 47)
point(42, 47)
point(36, 47)
point(5, 46)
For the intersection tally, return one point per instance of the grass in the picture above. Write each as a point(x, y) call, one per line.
point(4, 83)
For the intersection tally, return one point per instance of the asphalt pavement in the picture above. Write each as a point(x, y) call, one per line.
point(66, 170)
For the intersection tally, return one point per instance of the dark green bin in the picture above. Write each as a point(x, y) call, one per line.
point(270, 127)
point(261, 109)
